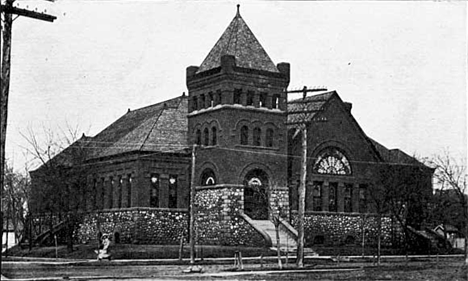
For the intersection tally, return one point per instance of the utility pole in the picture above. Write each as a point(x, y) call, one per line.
point(7, 11)
point(301, 191)
point(192, 207)
point(302, 127)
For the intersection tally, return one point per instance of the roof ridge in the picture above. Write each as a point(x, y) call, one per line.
point(309, 98)
point(152, 128)
point(155, 104)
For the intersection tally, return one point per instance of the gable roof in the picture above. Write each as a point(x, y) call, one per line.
point(239, 41)
point(305, 109)
point(395, 156)
point(160, 127)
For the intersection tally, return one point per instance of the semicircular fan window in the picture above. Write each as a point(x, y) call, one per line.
point(331, 161)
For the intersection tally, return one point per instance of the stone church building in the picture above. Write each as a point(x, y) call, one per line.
point(247, 160)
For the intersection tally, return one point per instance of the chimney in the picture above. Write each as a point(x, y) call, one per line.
point(348, 106)
point(227, 63)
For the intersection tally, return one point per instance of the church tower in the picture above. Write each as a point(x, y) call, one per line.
point(237, 115)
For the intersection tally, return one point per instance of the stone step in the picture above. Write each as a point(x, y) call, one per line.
point(285, 240)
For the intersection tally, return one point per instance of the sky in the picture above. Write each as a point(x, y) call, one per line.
point(402, 64)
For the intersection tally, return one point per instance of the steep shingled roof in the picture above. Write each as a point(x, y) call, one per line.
point(304, 110)
point(161, 127)
point(395, 156)
point(239, 41)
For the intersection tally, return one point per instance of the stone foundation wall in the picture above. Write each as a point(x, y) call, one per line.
point(337, 229)
point(279, 202)
point(136, 226)
point(218, 221)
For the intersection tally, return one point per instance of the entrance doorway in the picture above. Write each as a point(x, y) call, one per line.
point(256, 195)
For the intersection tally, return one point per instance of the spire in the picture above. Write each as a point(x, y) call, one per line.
point(239, 41)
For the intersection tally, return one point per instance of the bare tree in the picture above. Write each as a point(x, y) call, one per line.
point(59, 183)
point(378, 196)
point(15, 198)
point(450, 174)
point(402, 192)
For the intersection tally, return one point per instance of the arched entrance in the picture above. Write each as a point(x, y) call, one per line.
point(256, 195)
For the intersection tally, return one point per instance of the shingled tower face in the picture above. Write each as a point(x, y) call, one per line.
point(237, 114)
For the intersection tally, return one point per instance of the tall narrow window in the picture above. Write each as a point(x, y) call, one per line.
point(244, 135)
point(111, 192)
point(333, 187)
point(206, 137)
point(262, 100)
point(210, 99)
point(154, 193)
point(362, 198)
point(129, 190)
point(194, 103)
point(202, 101)
point(237, 96)
point(317, 194)
point(348, 192)
point(119, 192)
point(217, 98)
point(103, 193)
point(198, 137)
point(172, 191)
point(269, 137)
point(250, 98)
point(95, 194)
point(257, 132)
point(214, 136)
point(275, 101)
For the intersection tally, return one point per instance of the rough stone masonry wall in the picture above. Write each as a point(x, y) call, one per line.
point(136, 226)
point(336, 228)
point(218, 221)
point(279, 202)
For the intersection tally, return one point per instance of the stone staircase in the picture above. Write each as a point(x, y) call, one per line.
point(287, 241)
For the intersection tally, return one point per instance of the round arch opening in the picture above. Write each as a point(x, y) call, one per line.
point(256, 194)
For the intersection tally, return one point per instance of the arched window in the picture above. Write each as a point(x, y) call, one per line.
point(269, 137)
point(256, 194)
point(214, 136)
point(257, 132)
point(198, 137)
point(350, 240)
point(244, 135)
point(332, 161)
point(206, 137)
point(208, 178)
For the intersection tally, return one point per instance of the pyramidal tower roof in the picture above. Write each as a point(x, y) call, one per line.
point(239, 41)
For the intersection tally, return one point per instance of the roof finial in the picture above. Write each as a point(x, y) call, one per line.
point(238, 8)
